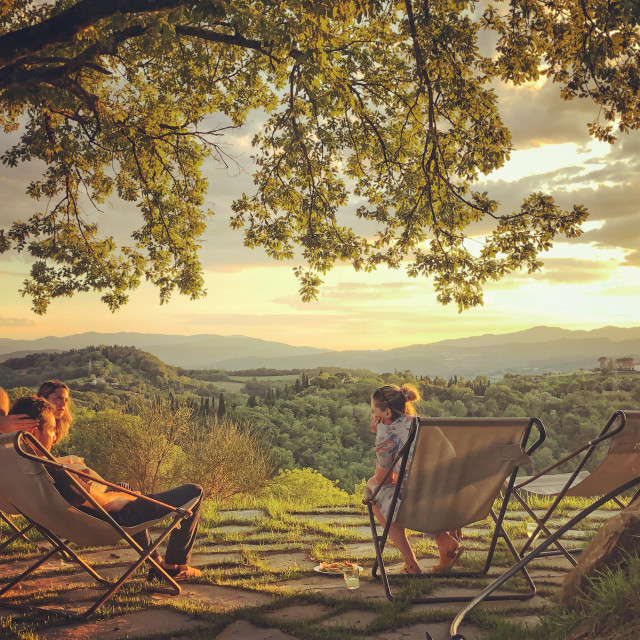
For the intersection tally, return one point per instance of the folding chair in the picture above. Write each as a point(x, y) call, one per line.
point(620, 465)
point(455, 468)
point(5, 516)
point(26, 485)
point(622, 462)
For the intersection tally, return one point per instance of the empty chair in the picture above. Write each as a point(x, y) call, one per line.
point(617, 473)
point(621, 464)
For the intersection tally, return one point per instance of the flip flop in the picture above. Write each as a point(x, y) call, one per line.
point(452, 558)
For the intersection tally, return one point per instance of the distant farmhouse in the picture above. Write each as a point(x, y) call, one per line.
point(619, 364)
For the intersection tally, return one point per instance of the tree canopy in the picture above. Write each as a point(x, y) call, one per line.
point(379, 119)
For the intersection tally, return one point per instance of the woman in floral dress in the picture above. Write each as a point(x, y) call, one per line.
point(391, 413)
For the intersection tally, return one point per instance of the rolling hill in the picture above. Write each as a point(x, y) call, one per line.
point(535, 350)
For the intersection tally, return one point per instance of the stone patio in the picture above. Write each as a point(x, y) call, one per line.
point(261, 586)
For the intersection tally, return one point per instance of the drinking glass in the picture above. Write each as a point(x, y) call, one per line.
point(351, 577)
point(531, 528)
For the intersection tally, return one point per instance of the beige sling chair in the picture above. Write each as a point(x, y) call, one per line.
point(455, 468)
point(621, 464)
point(15, 532)
point(26, 486)
point(617, 473)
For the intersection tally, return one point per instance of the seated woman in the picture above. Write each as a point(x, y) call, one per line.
point(57, 393)
point(391, 413)
point(126, 509)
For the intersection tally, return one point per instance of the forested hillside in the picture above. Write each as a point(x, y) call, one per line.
point(316, 418)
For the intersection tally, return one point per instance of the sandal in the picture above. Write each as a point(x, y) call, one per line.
point(450, 560)
point(456, 535)
point(179, 572)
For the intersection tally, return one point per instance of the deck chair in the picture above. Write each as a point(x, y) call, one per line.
point(15, 532)
point(620, 450)
point(458, 467)
point(26, 487)
point(621, 435)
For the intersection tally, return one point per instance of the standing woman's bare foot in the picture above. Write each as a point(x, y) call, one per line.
point(411, 569)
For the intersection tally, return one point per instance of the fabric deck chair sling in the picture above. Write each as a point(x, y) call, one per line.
point(620, 465)
point(458, 466)
point(617, 473)
point(27, 487)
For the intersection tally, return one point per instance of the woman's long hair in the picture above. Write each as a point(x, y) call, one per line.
point(64, 422)
point(399, 399)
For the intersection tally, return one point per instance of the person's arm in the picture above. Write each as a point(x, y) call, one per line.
point(385, 451)
point(111, 501)
point(108, 500)
point(16, 422)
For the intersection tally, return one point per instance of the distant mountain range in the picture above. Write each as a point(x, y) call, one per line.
point(536, 350)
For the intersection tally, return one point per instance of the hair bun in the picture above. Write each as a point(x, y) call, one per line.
point(409, 392)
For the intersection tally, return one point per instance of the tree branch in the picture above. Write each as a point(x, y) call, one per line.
point(63, 26)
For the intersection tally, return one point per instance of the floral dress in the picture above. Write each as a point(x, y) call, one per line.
point(390, 438)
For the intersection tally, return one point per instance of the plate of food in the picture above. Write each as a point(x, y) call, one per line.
point(336, 568)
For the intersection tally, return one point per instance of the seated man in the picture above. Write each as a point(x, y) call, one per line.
point(125, 509)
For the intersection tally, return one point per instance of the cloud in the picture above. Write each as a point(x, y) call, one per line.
point(621, 291)
point(537, 115)
point(572, 271)
point(16, 322)
point(361, 295)
point(623, 233)
point(239, 319)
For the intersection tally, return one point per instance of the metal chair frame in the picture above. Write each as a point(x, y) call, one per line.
point(588, 449)
point(44, 458)
point(536, 553)
point(17, 531)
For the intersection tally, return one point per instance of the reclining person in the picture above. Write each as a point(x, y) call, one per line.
point(125, 509)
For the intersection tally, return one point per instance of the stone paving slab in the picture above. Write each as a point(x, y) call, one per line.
point(81, 594)
point(109, 556)
point(242, 514)
point(359, 549)
point(289, 561)
point(335, 587)
point(298, 612)
point(214, 559)
point(353, 509)
point(243, 630)
point(352, 619)
point(217, 597)
point(235, 528)
point(336, 518)
point(133, 624)
point(438, 631)
point(537, 602)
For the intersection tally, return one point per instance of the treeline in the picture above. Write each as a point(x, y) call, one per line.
point(108, 370)
point(326, 425)
point(320, 419)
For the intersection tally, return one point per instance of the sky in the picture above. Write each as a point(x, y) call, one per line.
point(586, 283)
